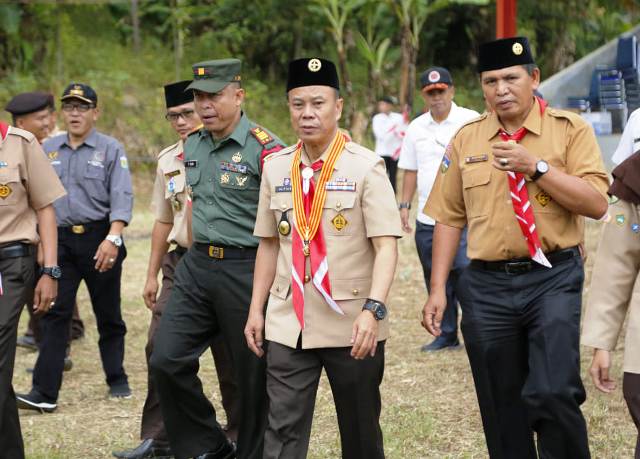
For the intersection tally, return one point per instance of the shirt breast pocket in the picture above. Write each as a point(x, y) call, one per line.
point(95, 171)
point(475, 182)
point(339, 216)
point(11, 188)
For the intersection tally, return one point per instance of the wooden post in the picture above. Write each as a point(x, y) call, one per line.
point(506, 13)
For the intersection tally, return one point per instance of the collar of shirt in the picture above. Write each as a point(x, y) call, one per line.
point(90, 141)
point(239, 134)
point(533, 122)
point(451, 118)
point(179, 149)
point(304, 159)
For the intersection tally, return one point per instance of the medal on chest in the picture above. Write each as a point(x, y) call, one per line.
point(5, 191)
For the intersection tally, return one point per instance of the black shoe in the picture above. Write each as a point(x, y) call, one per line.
point(226, 451)
point(120, 391)
point(34, 401)
point(148, 449)
point(27, 342)
point(440, 343)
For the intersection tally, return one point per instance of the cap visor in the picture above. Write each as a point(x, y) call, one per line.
point(72, 96)
point(210, 86)
point(431, 87)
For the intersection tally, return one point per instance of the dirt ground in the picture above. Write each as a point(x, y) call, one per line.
point(429, 404)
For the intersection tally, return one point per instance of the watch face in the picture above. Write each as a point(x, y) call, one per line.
point(380, 313)
point(56, 272)
point(542, 167)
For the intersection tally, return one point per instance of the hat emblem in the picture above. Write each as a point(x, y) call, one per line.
point(77, 91)
point(434, 76)
point(517, 49)
point(200, 71)
point(314, 65)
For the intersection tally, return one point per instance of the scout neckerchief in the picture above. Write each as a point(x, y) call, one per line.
point(4, 130)
point(520, 200)
point(308, 239)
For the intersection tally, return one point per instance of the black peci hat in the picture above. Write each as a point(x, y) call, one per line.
point(176, 93)
point(29, 102)
point(312, 72)
point(503, 53)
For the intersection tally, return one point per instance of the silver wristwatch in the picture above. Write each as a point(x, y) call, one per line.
point(115, 239)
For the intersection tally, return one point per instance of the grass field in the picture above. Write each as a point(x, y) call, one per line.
point(429, 403)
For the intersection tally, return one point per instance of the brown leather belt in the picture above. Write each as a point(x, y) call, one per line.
point(16, 250)
point(226, 252)
point(524, 265)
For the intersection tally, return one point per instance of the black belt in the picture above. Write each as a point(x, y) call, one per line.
point(16, 250)
point(524, 265)
point(225, 252)
point(84, 227)
point(180, 250)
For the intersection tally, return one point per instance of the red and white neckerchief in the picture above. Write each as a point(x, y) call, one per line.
point(308, 239)
point(4, 130)
point(520, 200)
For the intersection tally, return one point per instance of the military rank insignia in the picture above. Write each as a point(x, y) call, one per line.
point(230, 167)
point(240, 180)
point(339, 222)
point(225, 178)
point(543, 198)
point(237, 157)
point(620, 219)
point(261, 135)
point(52, 155)
point(5, 191)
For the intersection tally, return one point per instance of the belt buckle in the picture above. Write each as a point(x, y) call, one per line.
point(78, 229)
point(518, 267)
point(216, 252)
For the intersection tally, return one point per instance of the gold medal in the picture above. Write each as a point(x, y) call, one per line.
point(5, 191)
point(284, 227)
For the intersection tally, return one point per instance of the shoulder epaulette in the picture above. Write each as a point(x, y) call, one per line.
point(572, 117)
point(261, 135)
point(167, 150)
point(22, 133)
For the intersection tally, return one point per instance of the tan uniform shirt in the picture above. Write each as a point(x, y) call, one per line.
point(27, 183)
point(615, 286)
point(370, 210)
point(470, 191)
point(169, 199)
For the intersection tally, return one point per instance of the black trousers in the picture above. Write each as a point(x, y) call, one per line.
point(631, 391)
point(521, 332)
point(75, 257)
point(209, 296)
point(17, 285)
point(152, 424)
point(392, 170)
point(292, 383)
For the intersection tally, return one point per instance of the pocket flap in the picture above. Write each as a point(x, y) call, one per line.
point(475, 177)
point(350, 289)
point(280, 287)
point(281, 203)
point(338, 202)
point(9, 175)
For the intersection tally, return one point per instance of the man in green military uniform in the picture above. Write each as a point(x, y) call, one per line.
point(213, 281)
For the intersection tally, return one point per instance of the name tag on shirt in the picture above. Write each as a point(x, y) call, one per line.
point(191, 163)
point(476, 159)
point(172, 174)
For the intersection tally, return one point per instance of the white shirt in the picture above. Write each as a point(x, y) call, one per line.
point(630, 140)
point(388, 129)
point(423, 147)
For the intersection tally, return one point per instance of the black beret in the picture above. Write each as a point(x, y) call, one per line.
point(80, 91)
point(312, 72)
point(503, 53)
point(29, 102)
point(174, 93)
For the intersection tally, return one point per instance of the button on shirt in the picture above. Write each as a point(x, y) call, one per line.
point(423, 148)
point(630, 140)
point(96, 177)
point(470, 191)
point(224, 176)
point(388, 129)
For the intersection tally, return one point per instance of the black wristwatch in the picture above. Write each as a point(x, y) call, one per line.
point(54, 272)
point(378, 309)
point(404, 205)
point(542, 167)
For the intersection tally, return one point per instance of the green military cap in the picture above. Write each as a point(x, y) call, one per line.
point(213, 76)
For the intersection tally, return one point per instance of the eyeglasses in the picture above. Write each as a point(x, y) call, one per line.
point(82, 108)
point(173, 116)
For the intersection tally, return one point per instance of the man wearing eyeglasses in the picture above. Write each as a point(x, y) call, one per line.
point(170, 206)
point(94, 170)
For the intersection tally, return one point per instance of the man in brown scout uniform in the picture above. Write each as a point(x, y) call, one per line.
point(28, 187)
point(328, 223)
point(521, 178)
point(170, 204)
point(212, 288)
point(615, 290)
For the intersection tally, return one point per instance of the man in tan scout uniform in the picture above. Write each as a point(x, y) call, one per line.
point(170, 204)
point(615, 290)
point(28, 187)
point(521, 178)
point(328, 223)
